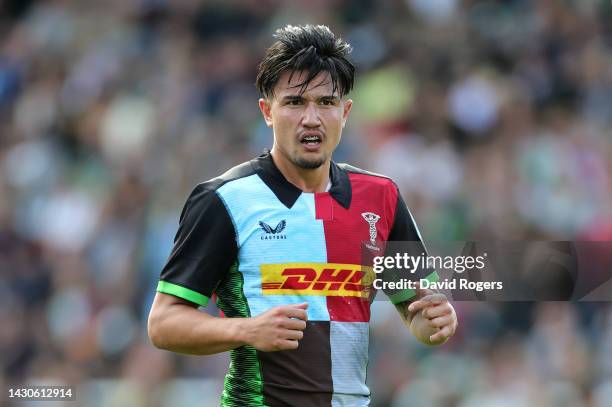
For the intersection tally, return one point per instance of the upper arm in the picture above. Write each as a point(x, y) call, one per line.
point(165, 306)
point(164, 301)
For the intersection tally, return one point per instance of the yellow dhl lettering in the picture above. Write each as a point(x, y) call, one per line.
point(327, 279)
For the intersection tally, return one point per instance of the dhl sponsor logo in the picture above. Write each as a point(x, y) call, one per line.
point(328, 279)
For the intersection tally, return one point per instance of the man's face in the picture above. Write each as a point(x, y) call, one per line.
point(307, 127)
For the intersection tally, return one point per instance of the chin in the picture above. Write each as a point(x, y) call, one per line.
point(309, 164)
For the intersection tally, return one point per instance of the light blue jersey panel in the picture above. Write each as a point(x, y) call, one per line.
point(302, 240)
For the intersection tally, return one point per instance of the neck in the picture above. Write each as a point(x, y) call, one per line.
point(308, 180)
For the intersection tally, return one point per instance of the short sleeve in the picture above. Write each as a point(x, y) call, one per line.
point(204, 248)
point(404, 229)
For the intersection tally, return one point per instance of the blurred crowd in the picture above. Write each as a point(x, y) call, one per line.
point(494, 118)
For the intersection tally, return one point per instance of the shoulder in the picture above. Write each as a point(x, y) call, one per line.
point(205, 197)
point(369, 178)
point(235, 173)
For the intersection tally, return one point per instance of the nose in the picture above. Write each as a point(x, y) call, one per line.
point(311, 115)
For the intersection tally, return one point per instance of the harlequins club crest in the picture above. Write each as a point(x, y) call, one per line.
point(273, 233)
point(371, 218)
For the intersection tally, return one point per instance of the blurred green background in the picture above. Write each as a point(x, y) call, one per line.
point(492, 116)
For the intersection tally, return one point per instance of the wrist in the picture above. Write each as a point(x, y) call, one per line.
point(242, 331)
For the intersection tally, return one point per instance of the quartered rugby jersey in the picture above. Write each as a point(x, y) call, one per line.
point(257, 241)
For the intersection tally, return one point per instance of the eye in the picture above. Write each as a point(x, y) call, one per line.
point(294, 102)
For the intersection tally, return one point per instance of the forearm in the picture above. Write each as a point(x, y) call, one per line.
point(186, 330)
point(176, 325)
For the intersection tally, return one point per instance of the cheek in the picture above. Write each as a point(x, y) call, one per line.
point(333, 115)
point(284, 119)
point(284, 128)
point(333, 120)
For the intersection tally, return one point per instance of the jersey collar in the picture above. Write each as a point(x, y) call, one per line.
point(288, 193)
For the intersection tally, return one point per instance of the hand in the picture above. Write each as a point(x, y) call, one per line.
point(435, 320)
point(279, 328)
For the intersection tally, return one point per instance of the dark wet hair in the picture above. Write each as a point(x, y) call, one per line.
point(311, 48)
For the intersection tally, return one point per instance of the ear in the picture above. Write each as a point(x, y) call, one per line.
point(266, 110)
point(348, 104)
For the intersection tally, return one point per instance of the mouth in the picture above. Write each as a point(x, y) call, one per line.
point(311, 139)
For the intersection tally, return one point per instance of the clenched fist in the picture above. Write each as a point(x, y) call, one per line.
point(279, 328)
point(431, 318)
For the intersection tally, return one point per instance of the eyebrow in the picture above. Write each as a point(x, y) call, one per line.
point(298, 97)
